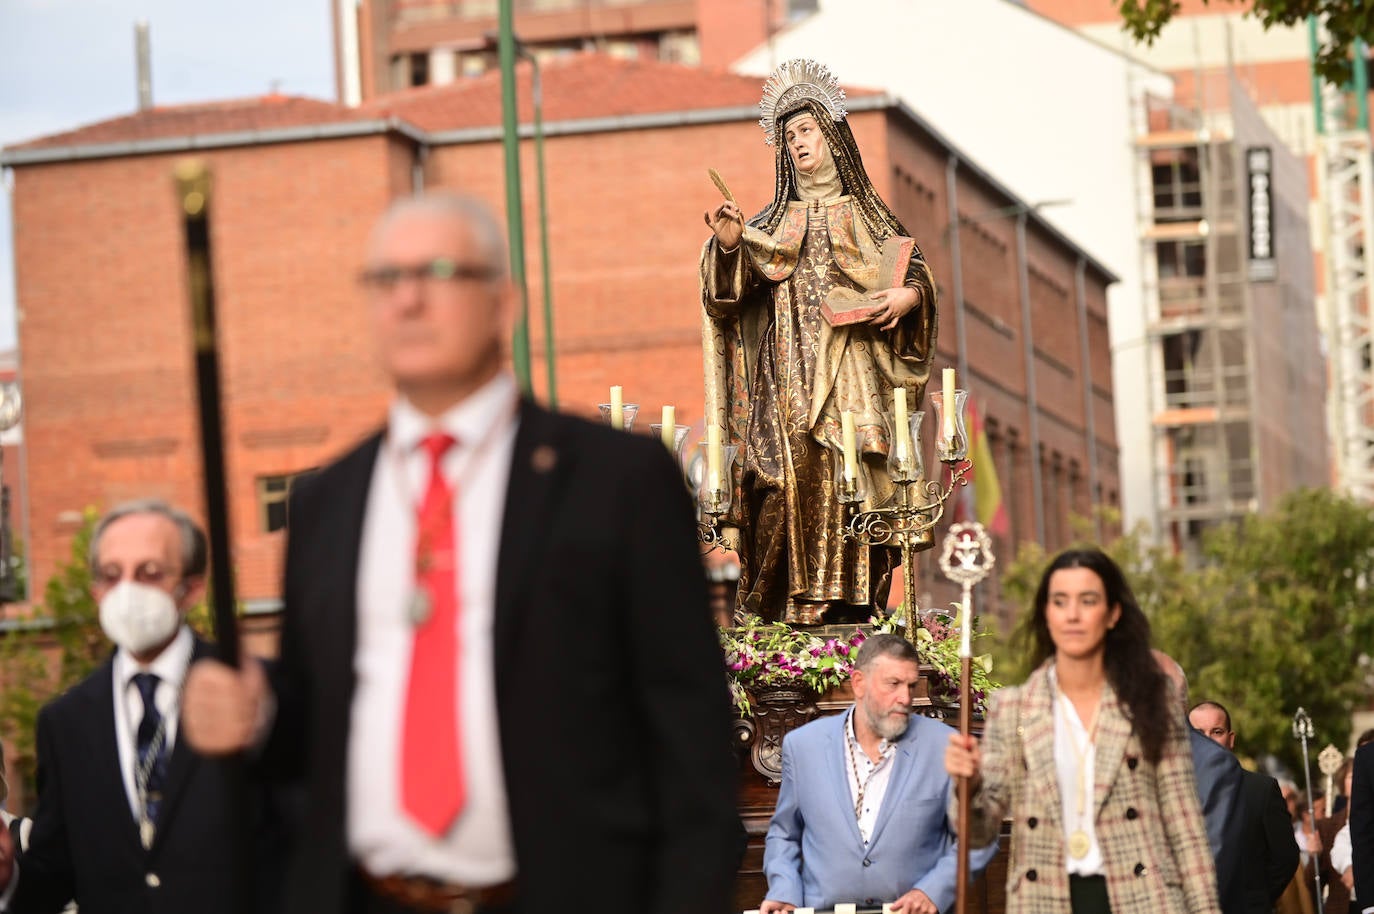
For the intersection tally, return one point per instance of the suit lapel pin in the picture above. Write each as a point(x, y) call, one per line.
point(543, 459)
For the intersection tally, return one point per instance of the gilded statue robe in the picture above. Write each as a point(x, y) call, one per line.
point(778, 377)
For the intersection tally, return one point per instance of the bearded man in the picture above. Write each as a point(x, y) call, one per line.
point(861, 811)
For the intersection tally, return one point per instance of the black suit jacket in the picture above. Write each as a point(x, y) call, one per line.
point(1218, 788)
point(85, 842)
point(1269, 854)
point(610, 688)
point(1362, 824)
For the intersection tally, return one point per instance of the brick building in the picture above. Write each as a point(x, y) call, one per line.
point(104, 333)
point(382, 46)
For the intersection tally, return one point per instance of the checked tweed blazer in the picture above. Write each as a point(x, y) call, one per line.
point(1148, 823)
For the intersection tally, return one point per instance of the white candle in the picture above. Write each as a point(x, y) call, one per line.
point(948, 404)
point(713, 457)
point(617, 407)
point(847, 436)
point(902, 446)
point(669, 430)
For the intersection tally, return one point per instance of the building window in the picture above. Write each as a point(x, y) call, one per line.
point(1177, 184)
point(273, 492)
point(419, 69)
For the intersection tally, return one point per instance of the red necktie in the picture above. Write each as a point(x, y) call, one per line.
point(432, 788)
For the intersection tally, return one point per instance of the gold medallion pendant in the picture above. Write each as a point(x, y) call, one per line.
point(1079, 844)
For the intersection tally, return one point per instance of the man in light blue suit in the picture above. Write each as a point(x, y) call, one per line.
point(861, 811)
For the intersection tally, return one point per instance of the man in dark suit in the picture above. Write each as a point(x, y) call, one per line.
point(498, 673)
point(1218, 777)
point(1260, 825)
point(130, 819)
point(1362, 826)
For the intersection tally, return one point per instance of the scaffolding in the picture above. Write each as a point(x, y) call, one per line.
point(1200, 382)
point(1346, 189)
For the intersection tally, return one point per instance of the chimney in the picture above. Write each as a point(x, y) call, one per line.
point(144, 63)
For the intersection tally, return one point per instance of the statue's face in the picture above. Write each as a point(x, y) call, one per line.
point(805, 142)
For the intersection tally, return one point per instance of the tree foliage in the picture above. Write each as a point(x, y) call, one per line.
point(59, 649)
point(1277, 614)
point(1346, 22)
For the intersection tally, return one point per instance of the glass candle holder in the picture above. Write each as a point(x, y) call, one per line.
point(679, 437)
point(715, 490)
point(951, 440)
point(628, 411)
point(849, 490)
point(904, 460)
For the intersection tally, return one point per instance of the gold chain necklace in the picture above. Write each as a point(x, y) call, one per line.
point(1079, 843)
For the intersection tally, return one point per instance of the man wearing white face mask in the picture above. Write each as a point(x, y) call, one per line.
point(129, 818)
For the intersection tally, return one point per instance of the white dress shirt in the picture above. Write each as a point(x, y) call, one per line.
point(1341, 857)
point(872, 776)
point(170, 668)
point(1074, 746)
point(477, 849)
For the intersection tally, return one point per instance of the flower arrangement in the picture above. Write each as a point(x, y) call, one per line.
point(762, 654)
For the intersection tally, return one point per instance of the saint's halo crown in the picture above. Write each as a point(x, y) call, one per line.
point(793, 81)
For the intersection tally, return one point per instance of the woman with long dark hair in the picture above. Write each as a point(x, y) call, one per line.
point(1090, 759)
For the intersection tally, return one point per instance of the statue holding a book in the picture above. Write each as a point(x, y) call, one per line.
point(821, 304)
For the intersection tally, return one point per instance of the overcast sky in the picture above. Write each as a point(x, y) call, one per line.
point(65, 63)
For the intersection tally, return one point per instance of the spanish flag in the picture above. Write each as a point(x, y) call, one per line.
point(982, 498)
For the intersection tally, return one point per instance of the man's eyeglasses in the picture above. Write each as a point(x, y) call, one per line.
point(385, 277)
point(151, 573)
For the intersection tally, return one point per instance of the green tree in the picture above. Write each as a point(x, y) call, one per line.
point(62, 645)
point(1347, 21)
point(1277, 615)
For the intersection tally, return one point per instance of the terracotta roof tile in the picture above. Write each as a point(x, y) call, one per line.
point(265, 112)
point(576, 87)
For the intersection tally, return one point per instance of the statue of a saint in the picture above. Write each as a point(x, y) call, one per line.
point(779, 376)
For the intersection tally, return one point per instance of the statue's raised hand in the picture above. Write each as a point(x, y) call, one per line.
point(727, 222)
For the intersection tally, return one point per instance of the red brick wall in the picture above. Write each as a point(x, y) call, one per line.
point(105, 340)
point(107, 358)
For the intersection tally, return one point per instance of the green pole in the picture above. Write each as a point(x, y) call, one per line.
point(1318, 113)
point(544, 233)
point(1361, 87)
point(515, 215)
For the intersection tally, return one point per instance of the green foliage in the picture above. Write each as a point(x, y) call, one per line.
point(30, 679)
point(1277, 614)
point(1347, 21)
point(763, 654)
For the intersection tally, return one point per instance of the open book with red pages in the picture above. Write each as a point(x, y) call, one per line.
point(845, 306)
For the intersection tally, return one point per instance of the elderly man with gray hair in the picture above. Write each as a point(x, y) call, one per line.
point(130, 819)
point(861, 811)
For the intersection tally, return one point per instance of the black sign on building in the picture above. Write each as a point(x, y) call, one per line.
point(1262, 266)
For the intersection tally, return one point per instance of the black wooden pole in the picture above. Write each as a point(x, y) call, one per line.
point(193, 195)
point(193, 199)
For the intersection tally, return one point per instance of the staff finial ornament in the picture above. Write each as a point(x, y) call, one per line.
point(793, 81)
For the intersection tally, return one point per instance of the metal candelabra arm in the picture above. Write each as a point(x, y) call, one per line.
point(907, 524)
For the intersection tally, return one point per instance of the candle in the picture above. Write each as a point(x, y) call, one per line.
point(669, 430)
point(902, 446)
point(713, 457)
point(617, 407)
point(847, 432)
point(948, 433)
